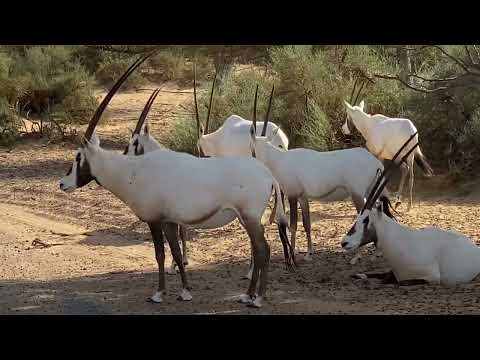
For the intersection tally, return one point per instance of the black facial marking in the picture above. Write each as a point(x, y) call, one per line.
point(125, 152)
point(84, 176)
point(139, 150)
point(352, 230)
point(386, 206)
point(69, 170)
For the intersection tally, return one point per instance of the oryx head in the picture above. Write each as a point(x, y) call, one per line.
point(140, 140)
point(202, 143)
point(257, 142)
point(348, 126)
point(376, 205)
point(80, 173)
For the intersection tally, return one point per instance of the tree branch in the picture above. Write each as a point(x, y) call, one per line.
point(469, 55)
point(435, 80)
point(451, 57)
point(427, 91)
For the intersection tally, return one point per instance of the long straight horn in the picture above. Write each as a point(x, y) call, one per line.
point(101, 108)
point(195, 98)
point(210, 103)
point(306, 108)
point(255, 110)
point(265, 123)
point(389, 175)
point(146, 109)
point(353, 91)
point(369, 203)
point(359, 92)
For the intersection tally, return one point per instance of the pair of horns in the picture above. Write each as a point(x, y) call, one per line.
point(101, 108)
point(353, 101)
point(378, 187)
point(146, 109)
point(265, 122)
point(196, 104)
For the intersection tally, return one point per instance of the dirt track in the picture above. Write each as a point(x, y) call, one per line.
point(102, 261)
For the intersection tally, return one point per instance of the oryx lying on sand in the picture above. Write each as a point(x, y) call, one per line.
point(429, 255)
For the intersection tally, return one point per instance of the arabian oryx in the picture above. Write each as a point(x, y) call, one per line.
point(384, 136)
point(143, 143)
point(232, 138)
point(429, 255)
point(305, 174)
point(166, 189)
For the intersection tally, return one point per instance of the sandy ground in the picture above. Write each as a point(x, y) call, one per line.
point(86, 253)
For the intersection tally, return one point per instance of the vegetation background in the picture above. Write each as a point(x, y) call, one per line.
point(437, 87)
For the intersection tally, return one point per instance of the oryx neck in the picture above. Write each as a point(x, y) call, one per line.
point(112, 170)
point(362, 122)
point(268, 153)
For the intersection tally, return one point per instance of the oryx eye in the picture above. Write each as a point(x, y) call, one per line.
point(280, 146)
point(366, 220)
point(135, 143)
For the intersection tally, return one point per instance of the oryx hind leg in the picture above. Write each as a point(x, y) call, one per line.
point(307, 226)
point(183, 236)
point(293, 221)
point(172, 231)
point(411, 179)
point(404, 172)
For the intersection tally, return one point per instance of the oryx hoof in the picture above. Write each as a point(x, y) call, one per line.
point(184, 296)
point(245, 299)
point(359, 276)
point(157, 298)
point(171, 271)
point(257, 303)
point(308, 257)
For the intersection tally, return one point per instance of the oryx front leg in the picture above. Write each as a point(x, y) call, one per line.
point(410, 202)
point(404, 170)
point(171, 231)
point(307, 226)
point(292, 202)
point(157, 236)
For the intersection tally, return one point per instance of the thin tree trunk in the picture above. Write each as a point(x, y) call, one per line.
point(405, 63)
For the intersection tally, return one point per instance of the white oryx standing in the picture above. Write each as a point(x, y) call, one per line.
point(146, 143)
point(232, 138)
point(305, 174)
point(142, 142)
point(166, 189)
point(384, 136)
point(429, 255)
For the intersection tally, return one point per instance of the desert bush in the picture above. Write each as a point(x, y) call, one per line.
point(40, 80)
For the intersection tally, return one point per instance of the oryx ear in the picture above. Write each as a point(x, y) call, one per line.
point(253, 135)
point(347, 105)
point(145, 129)
point(273, 134)
point(362, 105)
point(94, 141)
